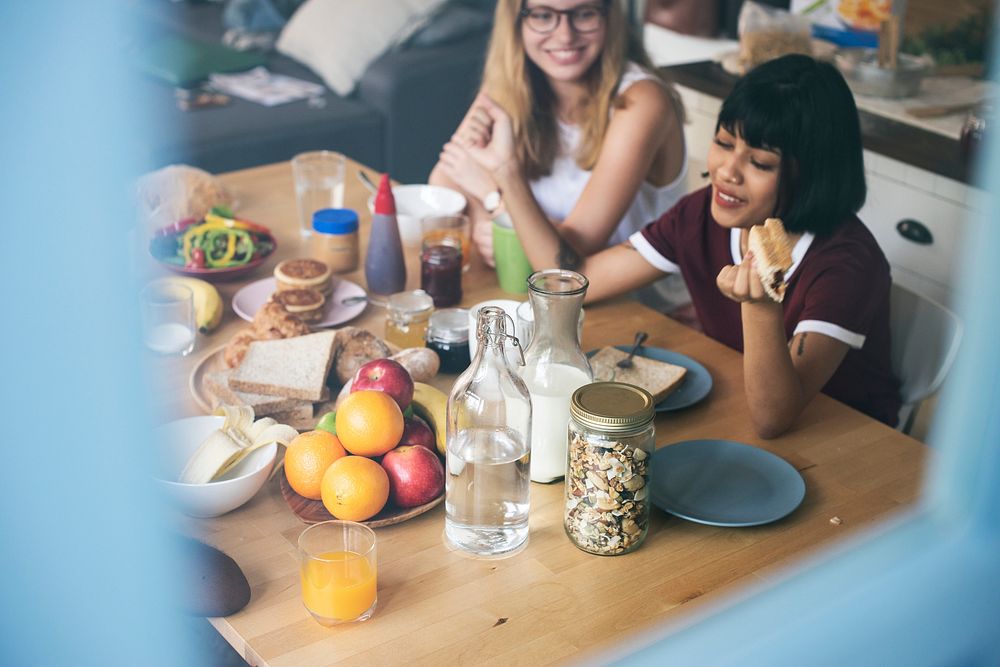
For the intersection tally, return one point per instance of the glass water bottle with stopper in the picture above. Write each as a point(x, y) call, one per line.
point(488, 453)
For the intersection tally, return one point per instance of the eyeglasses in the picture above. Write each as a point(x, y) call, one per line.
point(585, 18)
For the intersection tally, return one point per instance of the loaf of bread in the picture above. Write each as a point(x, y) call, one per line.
point(657, 377)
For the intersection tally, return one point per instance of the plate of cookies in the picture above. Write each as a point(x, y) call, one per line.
point(305, 288)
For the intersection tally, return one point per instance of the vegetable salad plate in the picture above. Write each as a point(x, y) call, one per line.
point(217, 247)
point(724, 483)
point(696, 385)
point(249, 300)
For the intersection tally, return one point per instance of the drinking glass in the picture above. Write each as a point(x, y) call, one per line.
point(167, 311)
point(435, 229)
point(338, 568)
point(319, 184)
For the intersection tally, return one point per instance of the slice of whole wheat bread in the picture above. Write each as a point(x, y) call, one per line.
point(264, 405)
point(292, 367)
point(657, 377)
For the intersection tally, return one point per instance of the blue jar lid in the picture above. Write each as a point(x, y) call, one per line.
point(335, 221)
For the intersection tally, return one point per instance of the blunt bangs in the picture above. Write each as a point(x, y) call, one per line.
point(804, 110)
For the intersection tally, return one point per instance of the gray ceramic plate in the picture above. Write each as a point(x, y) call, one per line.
point(697, 383)
point(724, 483)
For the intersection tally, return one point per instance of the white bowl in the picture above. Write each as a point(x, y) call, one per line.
point(416, 202)
point(178, 440)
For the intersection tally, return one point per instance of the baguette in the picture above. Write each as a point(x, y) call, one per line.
point(292, 367)
point(772, 253)
point(657, 377)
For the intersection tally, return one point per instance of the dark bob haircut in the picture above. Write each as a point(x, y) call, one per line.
point(803, 108)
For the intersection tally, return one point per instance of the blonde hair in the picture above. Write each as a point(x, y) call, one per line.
point(520, 87)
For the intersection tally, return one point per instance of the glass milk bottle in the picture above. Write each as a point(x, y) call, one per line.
point(488, 453)
point(554, 366)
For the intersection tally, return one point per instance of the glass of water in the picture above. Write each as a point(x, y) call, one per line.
point(319, 184)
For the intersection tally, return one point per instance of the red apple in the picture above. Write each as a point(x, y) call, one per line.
point(417, 432)
point(387, 376)
point(416, 475)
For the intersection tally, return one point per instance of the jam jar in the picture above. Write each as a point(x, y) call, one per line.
point(611, 443)
point(441, 271)
point(407, 315)
point(448, 335)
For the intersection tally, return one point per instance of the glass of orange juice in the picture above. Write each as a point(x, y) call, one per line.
point(338, 567)
point(436, 228)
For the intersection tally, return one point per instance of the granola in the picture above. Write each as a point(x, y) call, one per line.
point(607, 506)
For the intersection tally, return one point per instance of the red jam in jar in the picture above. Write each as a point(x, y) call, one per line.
point(441, 272)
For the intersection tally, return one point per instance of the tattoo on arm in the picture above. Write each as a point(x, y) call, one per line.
point(567, 258)
point(802, 345)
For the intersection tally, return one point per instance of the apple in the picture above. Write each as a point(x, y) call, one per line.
point(328, 422)
point(387, 376)
point(417, 432)
point(416, 475)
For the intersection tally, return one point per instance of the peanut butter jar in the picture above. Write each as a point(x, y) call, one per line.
point(335, 238)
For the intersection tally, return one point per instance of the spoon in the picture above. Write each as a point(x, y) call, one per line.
point(351, 300)
point(640, 338)
point(367, 182)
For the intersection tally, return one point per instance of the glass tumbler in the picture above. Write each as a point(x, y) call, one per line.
point(168, 323)
point(338, 568)
point(437, 228)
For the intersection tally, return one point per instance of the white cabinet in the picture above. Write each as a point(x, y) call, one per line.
point(896, 192)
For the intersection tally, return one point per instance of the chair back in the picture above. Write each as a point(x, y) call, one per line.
point(925, 338)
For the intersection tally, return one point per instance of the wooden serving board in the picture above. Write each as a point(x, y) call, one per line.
point(313, 511)
point(213, 361)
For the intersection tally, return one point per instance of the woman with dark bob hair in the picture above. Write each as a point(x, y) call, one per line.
point(788, 145)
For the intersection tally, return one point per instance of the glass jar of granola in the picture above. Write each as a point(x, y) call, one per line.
point(607, 473)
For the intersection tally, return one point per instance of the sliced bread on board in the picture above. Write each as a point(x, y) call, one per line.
point(263, 405)
point(292, 367)
point(657, 377)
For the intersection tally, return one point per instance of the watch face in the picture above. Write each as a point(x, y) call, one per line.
point(492, 201)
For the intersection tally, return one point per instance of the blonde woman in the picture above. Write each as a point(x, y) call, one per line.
point(598, 136)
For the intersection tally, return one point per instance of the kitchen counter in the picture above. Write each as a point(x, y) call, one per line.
point(932, 151)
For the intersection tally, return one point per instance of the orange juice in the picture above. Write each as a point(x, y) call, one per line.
point(338, 585)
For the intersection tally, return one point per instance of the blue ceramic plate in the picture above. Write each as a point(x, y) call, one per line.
point(724, 483)
point(697, 383)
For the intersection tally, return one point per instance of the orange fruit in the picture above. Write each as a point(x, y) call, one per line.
point(369, 423)
point(355, 488)
point(307, 457)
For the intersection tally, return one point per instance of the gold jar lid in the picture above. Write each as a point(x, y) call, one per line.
point(612, 407)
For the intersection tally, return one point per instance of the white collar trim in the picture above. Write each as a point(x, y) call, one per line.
point(798, 252)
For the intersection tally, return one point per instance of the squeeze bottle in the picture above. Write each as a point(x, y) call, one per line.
point(385, 269)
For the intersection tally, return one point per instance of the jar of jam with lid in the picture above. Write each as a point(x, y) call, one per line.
point(407, 314)
point(611, 443)
point(448, 335)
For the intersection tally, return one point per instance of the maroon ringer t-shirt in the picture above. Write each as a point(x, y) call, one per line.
point(838, 286)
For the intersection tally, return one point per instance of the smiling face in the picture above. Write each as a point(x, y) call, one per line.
point(745, 181)
point(565, 54)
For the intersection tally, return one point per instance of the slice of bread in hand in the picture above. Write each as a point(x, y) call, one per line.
point(293, 367)
point(264, 405)
point(657, 377)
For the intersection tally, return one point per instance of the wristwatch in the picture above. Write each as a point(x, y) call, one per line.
point(491, 202)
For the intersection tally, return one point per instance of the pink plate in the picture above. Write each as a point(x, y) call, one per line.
point(249, 300)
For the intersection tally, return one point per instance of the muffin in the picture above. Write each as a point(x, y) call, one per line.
point(303, 274)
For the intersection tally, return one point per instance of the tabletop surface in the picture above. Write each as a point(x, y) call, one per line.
point(551, 602)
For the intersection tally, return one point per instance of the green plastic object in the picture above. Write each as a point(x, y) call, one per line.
point(184, 62)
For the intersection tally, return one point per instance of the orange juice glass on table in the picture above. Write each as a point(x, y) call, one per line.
point(338, 569)
point(436, 228)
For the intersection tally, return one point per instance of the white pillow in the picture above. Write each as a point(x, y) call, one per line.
point(339, 39)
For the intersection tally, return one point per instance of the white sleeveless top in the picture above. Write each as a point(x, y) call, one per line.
point(559, 191)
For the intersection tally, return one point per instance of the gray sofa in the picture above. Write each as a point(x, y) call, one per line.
point(407, 104)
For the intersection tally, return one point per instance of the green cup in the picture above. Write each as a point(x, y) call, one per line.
point(513, 267)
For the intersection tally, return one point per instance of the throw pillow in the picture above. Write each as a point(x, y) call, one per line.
point(339, 40)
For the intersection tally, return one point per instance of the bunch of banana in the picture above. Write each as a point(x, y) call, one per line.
point(230, 444)
point(208, 307)
point(431, 405)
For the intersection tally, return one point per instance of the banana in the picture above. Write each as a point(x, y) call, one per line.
point(431, 405)
point(208, 308)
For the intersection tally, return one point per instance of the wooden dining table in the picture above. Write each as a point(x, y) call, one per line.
point(551, 602)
